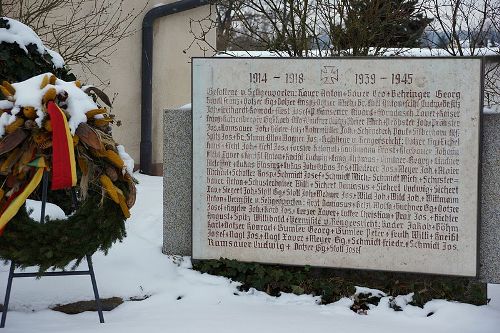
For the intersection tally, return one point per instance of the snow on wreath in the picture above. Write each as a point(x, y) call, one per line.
point(58, 128)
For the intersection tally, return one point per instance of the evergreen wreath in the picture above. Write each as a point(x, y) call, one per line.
point(101, 169)
point(55, 243)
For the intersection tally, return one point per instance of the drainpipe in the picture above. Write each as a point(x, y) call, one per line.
point(146, 155)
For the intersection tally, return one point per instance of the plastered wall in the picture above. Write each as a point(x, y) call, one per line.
point(171, 78)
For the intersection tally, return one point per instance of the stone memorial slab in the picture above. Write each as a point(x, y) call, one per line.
point(351, 163)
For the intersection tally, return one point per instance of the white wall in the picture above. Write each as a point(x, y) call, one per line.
point(171, 78)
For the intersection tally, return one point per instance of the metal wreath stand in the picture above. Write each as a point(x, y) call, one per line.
point(90, 271)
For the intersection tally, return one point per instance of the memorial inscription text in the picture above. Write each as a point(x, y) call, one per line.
point(338, 165)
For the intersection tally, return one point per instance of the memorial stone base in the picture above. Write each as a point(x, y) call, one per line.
point(177, 182)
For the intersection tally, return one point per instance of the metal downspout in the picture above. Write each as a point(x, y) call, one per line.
point(146, 154)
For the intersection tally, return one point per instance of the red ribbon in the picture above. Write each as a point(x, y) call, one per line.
point(63, 156)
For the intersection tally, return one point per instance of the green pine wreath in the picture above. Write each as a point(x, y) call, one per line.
point(105, 186)
point(95, 226)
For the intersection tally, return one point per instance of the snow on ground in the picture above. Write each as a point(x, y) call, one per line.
point(182, 300)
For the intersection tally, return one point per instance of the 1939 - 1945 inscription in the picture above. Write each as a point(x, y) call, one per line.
point(356, 163)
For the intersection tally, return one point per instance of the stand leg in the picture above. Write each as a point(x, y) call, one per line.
point(94, 286)
point(7, 294)
point(74, 199)
point(45, 184)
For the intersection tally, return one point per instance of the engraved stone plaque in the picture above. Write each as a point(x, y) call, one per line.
point(352, 163)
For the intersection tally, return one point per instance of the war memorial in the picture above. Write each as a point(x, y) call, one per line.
point(375, 164)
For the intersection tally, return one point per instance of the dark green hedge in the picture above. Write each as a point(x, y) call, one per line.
point(333, 284)
point(17, 65)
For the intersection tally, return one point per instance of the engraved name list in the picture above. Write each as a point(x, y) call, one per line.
point(356, 163)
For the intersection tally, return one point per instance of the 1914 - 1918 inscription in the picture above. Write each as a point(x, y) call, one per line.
point(355, 163)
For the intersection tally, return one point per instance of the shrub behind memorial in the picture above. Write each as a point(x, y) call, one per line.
point(334, 284)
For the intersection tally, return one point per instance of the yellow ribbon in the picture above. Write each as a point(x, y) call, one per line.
point(14, 206)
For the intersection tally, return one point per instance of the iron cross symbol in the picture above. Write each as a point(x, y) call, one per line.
point(329, 75)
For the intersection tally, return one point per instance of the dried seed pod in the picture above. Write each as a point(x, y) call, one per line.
point(110, 188)
point(14, 126)
point(27, 155)
point(9, 87)
point(47, 125)
point(90, 114)
point(9, 162)
point(6, 92)
point(45, 81)
point(11, 141)
point(123, 204)
point(98, 153)
point(114, 158)
point(88, 136)
point(82, 163)
point(29, 112)
point(111, 173)
point(50, 95)
point(99, 93)
point(102, 122)
point(132, 192)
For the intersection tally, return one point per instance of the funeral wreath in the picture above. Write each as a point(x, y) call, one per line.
point(51, 125)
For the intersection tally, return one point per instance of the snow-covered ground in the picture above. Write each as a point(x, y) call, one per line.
point(183, 300)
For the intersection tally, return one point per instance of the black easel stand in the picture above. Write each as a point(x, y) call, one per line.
point(90, 271)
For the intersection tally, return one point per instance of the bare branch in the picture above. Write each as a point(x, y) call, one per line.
point(302, 28)
point(84, 32)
